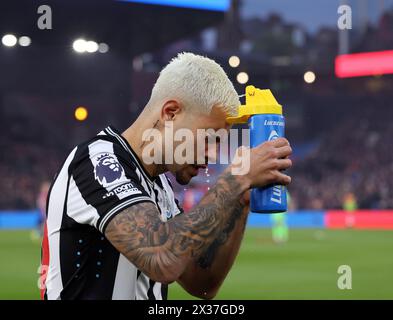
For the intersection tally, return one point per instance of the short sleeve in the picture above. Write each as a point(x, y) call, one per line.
point(103, 182)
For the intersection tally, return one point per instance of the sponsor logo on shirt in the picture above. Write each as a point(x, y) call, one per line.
point(126, 189)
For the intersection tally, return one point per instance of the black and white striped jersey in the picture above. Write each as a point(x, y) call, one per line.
point(98, 180)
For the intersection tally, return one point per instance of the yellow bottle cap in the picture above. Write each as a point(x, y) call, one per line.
point(258, 101)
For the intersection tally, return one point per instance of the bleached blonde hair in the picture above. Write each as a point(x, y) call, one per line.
point(197, 82)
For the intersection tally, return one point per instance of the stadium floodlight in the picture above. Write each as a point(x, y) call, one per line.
point(79, 45)
point(81, 113)
point(24, 41)
point(9, 40)
point(234, 61)
point(242, 77)
point(103, 48)
point(91, 46)
point(309, 77)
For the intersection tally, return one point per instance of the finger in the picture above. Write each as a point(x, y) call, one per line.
point(279, 142)
point(283, 152)
point(283, 164)
point(282, 178)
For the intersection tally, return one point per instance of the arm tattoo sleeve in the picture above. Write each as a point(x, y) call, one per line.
point(207, 258)
point(162, 249)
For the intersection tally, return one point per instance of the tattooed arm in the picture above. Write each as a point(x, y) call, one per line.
point(162, 250)
point(204, 275)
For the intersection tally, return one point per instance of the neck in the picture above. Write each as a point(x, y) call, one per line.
point(133, 135)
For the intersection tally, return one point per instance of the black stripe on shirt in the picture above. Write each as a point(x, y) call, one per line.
point(150, 293)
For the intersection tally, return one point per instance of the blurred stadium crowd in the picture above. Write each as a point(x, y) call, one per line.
point(27, 161)
point(354, 157)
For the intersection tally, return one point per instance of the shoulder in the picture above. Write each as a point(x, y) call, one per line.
point(101, 151)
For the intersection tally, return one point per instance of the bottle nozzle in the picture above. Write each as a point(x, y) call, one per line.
point(258, 101)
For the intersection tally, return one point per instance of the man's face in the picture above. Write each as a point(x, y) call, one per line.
point(205, 148)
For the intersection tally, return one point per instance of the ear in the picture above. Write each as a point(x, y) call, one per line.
point(170, 110)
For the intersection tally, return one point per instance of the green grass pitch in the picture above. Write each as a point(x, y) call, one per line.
point(304, 268)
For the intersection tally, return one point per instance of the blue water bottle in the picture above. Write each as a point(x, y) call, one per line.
point(266, 122)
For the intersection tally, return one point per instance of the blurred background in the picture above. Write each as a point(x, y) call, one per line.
point(93, 63)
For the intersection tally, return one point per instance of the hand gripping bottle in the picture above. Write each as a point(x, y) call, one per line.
point(266, 122)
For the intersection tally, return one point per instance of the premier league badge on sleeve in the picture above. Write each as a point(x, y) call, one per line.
point(107, 169)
